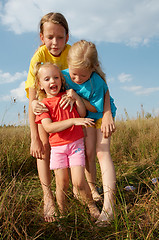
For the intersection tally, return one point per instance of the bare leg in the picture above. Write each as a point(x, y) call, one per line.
point(45, 177)
point(90, 171)
point(108, 178)
point(62, 184)
point(82, 187)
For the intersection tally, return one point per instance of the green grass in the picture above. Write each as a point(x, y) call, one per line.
point(135, 152)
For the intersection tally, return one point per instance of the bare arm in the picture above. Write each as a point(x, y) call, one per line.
point(79, 103)
point(108, 125)
point(53, 127)
point(36, 148)
point(88, 106)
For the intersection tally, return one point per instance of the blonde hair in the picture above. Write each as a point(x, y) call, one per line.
point(84, 54)
point(41, 92)
point(56, 18)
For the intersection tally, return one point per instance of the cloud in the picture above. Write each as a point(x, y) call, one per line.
point(123, 77)
point(8, 78)
point(139, 90)
point(17, 94)
point(131, 22)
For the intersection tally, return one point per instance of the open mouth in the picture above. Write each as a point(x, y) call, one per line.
point(53, 87)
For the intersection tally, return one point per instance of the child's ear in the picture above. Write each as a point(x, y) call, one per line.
point(42, 38)
point(67, 38)
point(41, 88)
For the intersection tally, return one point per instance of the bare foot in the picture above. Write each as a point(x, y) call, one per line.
point(96, 196)
point(104, 219)
point(94, 211)
point(49, 210)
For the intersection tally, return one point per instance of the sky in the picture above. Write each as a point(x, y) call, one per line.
point(126, 34)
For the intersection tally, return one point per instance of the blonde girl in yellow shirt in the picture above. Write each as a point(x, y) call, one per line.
point(54, 34)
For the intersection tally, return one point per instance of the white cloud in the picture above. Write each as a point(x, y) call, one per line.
point(139, 90)
point(6, 77)
point(132, 22)
point(123, 77)
point(17, 94)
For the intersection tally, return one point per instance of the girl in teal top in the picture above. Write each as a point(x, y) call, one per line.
point(85, 76)
point(92, 90)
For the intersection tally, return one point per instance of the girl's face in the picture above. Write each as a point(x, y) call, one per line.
point(54, 37)
point(50, 80)
point(78, 75)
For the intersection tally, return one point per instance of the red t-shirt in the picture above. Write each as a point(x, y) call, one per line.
point(56, 114)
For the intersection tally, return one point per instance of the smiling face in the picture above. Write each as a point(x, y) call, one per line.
point(79, 75)
point(54, 37)
point(50, 80)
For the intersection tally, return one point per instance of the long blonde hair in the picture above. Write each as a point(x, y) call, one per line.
point(56, 18)
point(84, 54)
point(41, 92)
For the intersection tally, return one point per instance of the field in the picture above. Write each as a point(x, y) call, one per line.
point(135, 152)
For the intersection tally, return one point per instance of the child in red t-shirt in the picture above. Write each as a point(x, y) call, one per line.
point(65, 135)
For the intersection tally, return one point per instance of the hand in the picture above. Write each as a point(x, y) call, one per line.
point(108, 125)
point(38, 107)
point(68, 99)
point(36, 148)
point(84, 121)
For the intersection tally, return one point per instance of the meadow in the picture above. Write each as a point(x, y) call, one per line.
point(135, 152)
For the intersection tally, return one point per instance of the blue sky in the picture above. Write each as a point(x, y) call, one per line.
point(125, 32)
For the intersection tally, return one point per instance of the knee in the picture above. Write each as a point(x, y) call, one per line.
point(100, 155)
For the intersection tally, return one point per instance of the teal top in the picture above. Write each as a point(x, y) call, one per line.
point(93, 90)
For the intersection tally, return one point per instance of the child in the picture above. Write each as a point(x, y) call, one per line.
point(65, 135)
point(86, 77)
point(54, 34)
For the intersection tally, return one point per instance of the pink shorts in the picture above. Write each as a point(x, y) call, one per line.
point(69, 155)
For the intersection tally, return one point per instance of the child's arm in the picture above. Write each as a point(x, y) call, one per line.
point(79, 102)
point(88, 106)
point(53, 127)
point(108, 125)
point(36, 148)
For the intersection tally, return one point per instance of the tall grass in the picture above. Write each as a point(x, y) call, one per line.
point(135, 151)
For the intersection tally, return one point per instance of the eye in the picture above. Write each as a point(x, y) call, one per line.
point(46, 79)
point(60, 37)
point(49, 37)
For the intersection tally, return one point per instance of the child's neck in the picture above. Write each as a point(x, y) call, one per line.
point(51, 96)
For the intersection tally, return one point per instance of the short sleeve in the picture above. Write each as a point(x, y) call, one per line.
point(99, 90)
point(42, 116)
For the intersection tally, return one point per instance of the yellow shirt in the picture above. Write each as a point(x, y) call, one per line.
point(43, 55)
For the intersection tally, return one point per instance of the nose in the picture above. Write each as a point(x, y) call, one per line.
point(52, 80)
point(77, 78)
point(54, 41)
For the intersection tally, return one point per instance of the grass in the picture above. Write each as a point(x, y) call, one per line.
point(135, 152)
